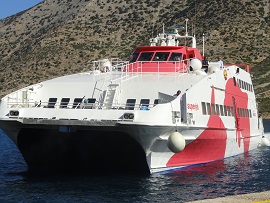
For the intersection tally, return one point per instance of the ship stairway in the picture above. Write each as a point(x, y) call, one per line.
point(110, 96)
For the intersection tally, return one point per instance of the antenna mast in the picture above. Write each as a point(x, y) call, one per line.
point(163, 28)
point(186, 27)
point(203, 44)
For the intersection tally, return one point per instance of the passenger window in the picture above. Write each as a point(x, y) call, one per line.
point(229, 110)
point(90, 103)
point(156, 101)
point(52, 102)
point(203, 108)
point(217, 109)
point(225, 111)
point(232, 111)
point(64, 102)
point(77, 102)
point(130, 104)
point(246, 113)
point(249, 113)
point(208, 109)
point(221, 110)
point(144, 102)
point(213, 112)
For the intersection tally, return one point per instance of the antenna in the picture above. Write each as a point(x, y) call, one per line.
point(186, 27)
point(203, 44)
point(163, 29)
point(195, 17)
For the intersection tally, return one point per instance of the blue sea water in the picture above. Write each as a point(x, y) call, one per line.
point(241, 174)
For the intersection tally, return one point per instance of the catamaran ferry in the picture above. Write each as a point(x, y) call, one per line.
point(160, 111)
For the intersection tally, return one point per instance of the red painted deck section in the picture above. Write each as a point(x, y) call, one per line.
point(241, 101)
point(209, 146)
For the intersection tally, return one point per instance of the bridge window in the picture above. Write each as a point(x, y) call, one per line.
point(161, 56)
point(146, 56)
point(134, 57)
point(176, 57)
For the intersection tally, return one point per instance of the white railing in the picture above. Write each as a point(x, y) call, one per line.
point(157, 66)
point(82, 105)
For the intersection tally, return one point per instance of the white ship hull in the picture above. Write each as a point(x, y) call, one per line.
point(72, 145)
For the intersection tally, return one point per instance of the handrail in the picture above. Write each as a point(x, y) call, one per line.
point(82, 105)
point(157, 66)
point(247, 67)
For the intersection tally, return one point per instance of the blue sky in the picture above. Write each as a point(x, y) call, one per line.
point(10, 7)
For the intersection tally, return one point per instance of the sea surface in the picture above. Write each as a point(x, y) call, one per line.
point(245, 173)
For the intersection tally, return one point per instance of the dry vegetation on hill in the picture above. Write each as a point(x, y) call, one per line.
point(57, 37)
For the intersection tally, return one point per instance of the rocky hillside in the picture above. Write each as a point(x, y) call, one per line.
point(58, 37)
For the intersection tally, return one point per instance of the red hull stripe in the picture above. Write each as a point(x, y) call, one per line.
point(211, 143)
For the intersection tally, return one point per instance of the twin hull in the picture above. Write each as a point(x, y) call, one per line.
point(69, 146)
point(216, 114)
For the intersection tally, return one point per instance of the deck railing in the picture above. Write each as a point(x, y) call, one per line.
point(245, 66)
point(82, 105)
point(115, 64)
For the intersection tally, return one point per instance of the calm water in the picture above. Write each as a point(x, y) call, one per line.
point(238, 175)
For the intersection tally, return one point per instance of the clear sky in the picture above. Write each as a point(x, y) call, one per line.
point(10, 7)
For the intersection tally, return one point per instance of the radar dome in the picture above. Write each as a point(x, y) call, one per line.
point(105, 65)
point(195, 64)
